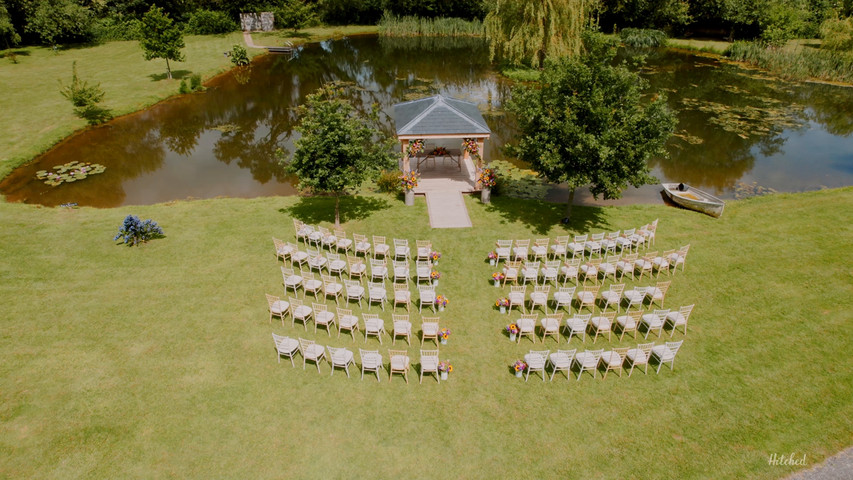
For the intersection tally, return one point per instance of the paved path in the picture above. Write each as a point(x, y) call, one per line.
point(447, 209)
point(836, 467)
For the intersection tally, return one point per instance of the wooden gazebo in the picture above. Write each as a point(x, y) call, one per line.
point(439, 117)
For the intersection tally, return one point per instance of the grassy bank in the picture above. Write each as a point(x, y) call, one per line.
point(157, 361)
point(408, 26)
point(35, 116)
point(796, 61)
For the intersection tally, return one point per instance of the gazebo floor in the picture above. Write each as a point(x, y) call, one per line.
point(442, 182)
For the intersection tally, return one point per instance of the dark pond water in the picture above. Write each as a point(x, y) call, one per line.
point(735, 127)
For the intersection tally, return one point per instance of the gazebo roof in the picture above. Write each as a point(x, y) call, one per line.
point(439, 116)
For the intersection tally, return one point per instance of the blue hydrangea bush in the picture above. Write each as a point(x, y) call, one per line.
point(134, 231)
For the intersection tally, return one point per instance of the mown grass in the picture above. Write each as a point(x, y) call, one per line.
point(409, 26)
point(35, 115)
point(158, 362)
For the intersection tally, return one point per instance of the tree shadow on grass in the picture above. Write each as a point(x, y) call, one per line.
point(322, 209)
point(176, 74)
point(541, 216)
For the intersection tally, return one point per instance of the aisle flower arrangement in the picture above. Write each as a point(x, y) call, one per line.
point(435, 256)
point(512, 329)
point(519, 366)
point(493, 257)
point(444, 333)
point(444, 366)
point(498, 278)
point(434, 275)
point(470, 146)
point(487, 178)
point(409, 180)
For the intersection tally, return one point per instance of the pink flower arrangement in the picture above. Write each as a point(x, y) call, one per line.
point(502, 302)
point(519, 365)
point(498, 276)
point(441, 301)
point(445, 366)
point(470, 146)
point(493, 255)
point(512, 328)
point(416, 147)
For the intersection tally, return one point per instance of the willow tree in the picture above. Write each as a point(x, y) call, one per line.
point(529, 32)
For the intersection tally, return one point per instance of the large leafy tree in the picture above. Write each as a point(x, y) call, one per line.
point(338, 149)
point(161, 38)
point(529, 32)
point(586, 123)
point(8, 35)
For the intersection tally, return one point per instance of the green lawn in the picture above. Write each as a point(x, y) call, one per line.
point(35, 116)
point(157, 361)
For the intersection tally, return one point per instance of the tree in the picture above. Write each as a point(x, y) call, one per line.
point(60, 20)
point(161, 38)
point(529, 32)
point(586, 124)
point(338, 150)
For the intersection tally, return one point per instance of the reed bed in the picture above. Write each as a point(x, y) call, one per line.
point(796, 64)
point(409, 26)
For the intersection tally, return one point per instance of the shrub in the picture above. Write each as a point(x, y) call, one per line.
point(239, 55)
point(643, 38)
point(195, 82)
point(134, 231)
point(350, 12)
point(837, 34)
point(85, 99)
point(389, 181)
point(184, 88)
point(391, 25)
point(295, 14)
point(207, 22)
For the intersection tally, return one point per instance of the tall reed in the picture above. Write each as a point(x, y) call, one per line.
point(408, 26)
point(799, 64)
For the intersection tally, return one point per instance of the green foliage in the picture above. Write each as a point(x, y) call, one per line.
point(295, 14)
point(338, 151)
point(350, 12)
point(85, 98)
point(209, 22)
point(160, 38)
point(194, 84)
point(801, 64)
point(586, 123)
point(645, 13)
point(781, 21)
point(8, 35)
point(521, 74)
point(517, 182)
point(55, 21)
point(643, 38)
point(837, 34)
point(527, 32)
point(117, 28)
point(392, 25)
point(184, 88)
point(467, 9)
point(389, 181)
point(239, 55)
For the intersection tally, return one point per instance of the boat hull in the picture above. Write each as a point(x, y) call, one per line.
point(694, 199)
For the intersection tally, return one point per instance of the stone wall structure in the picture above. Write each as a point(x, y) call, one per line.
point(257, 22)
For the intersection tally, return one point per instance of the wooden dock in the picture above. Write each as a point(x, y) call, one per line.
point(442, 182)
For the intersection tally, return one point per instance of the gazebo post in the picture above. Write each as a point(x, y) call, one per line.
point(481, 143)
point(406, 166)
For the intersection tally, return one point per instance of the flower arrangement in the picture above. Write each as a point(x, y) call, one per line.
point(409, 180)
point(470, 146)
point(434, 256)
point(444, 333)
point(502, 302)
point(435, 275)
point(441, 300)
point(439, 151)
point(487, 178)
point(416, 147)
point(498, 276)
point(519, 365)
point(512, 329)
point(493, 255)
point(445, 366)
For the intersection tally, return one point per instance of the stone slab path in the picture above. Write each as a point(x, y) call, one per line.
point(447, 209)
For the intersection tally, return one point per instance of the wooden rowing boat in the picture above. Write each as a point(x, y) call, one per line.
point(694, 199)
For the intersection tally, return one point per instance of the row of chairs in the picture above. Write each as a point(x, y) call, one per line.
point(312, 259)
point(344, 320)
point(338, 240)
point(596, 244)
point(371, 360)
point(372, 292)
point(615, 266)
point(604, 323)
point(587, 296)
point(593, 360)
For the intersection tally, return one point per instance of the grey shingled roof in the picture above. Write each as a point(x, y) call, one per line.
point(439, 115)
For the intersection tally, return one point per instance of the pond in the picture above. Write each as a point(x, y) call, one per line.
point(738, 129)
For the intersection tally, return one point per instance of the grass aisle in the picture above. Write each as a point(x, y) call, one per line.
point(158, 362)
